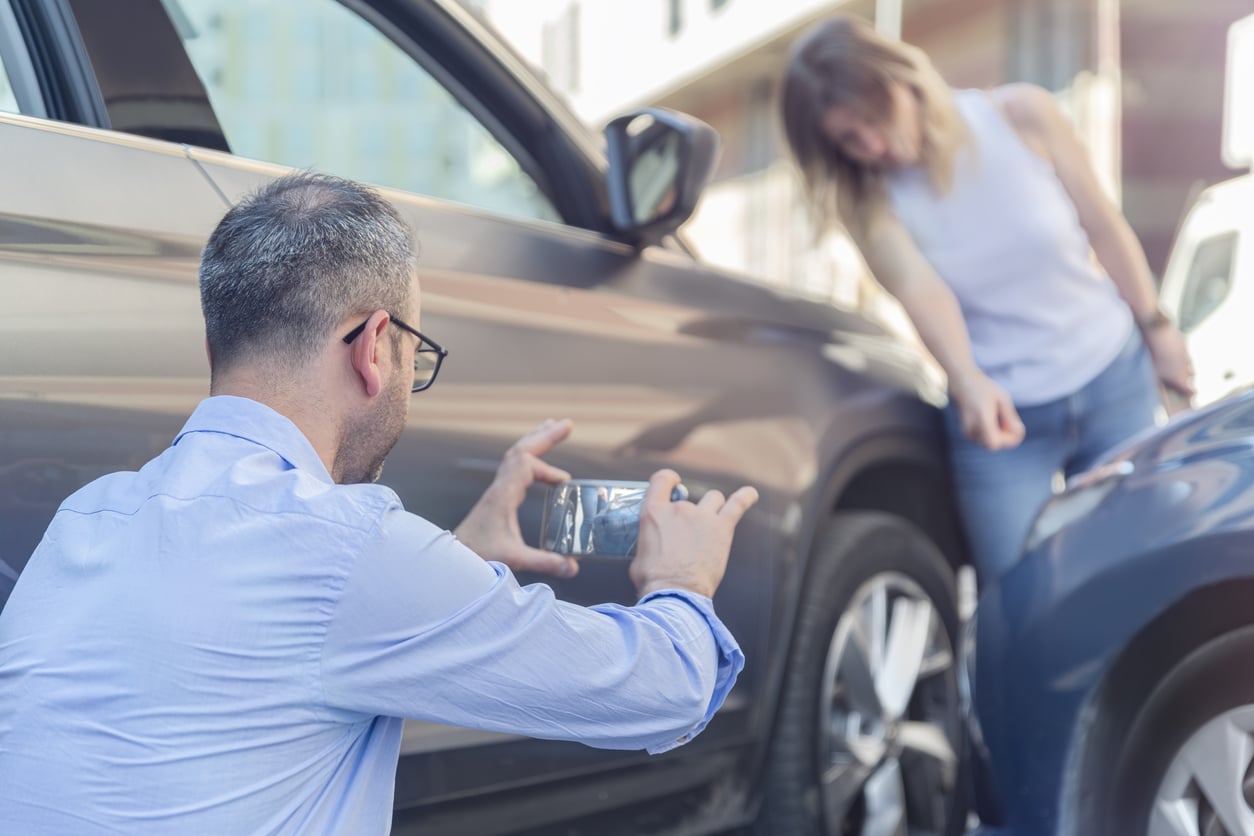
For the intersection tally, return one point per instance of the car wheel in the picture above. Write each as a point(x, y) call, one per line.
point(869, 729)
point(1188, 764)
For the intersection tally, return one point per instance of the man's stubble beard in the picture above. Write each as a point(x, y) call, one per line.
point(367, 439)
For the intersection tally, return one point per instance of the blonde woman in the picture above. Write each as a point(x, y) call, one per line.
point(979, 211)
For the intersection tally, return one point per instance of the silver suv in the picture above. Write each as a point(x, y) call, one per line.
point(552, 269)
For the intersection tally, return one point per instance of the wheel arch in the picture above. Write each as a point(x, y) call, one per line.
point(918, 492)
point(901, 473)
point(1200, 616)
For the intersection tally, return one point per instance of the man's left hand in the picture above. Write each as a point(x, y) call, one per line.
point(491, 528)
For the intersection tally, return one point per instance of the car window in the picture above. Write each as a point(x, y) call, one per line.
point(1209, 279)
point(19, 87)
point(8, 99)
point(312, 85)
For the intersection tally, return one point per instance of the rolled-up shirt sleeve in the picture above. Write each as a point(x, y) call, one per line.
point(423, 628)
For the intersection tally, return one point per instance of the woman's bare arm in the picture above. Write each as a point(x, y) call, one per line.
point(1035, 115)
point(988, 414)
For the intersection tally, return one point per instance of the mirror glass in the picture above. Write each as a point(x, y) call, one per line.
point(652, 179)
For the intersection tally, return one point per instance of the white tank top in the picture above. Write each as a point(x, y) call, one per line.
point(1044, 320)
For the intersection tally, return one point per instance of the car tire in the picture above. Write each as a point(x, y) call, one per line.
point(879, 602)
point(1188, 762)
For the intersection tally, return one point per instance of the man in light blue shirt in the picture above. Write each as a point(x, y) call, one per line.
point(225, 641)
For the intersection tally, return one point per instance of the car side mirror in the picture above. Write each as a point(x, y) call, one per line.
point(660, 161)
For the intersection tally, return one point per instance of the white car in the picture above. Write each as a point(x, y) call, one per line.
point(1208, 286)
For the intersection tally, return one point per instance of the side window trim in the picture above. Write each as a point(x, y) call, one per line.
point(60, 63)
point(472, 104)
point(574, 155)
point(18, 65)
point(138, 59)
point(558, 163)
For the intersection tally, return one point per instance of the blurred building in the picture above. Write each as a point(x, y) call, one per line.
point(1172, 57)
point(1142, 80)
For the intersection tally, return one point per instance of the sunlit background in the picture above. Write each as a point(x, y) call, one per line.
point(1143, 81)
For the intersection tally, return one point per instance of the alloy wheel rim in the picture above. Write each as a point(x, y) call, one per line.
point(1208, 788)
point(889, 712)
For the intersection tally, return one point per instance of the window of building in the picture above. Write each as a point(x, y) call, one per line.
point(560, 50)
point(8, 99)
point(674, 17)
point(19, 86)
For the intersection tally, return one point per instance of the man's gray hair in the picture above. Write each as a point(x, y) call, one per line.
point(288, 263)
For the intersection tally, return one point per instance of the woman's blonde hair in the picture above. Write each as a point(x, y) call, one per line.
point(843, 61)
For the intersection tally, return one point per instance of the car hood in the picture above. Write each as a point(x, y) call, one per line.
point(1214, 432)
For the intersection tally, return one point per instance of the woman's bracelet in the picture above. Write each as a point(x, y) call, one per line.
point(1154, 321)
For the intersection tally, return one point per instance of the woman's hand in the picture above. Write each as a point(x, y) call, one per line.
point(1171, 358)
point(989, 417)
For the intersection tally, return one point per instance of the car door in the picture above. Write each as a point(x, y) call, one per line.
point(543, 313)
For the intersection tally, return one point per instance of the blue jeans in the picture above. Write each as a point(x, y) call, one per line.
point(1000, 493)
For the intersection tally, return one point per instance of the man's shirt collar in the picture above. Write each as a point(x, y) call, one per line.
point(258, 423)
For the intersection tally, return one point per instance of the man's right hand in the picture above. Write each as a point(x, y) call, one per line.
point(685, 545)
point(989, 417)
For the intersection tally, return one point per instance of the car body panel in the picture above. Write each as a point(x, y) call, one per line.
point(102, 347)
point(1051, 632)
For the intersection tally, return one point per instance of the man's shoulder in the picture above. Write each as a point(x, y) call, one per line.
point(184, 481)
point(304, 497)
point(110, 492)
point(356, 505)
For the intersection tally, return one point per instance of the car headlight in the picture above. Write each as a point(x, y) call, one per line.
point(1083, 494)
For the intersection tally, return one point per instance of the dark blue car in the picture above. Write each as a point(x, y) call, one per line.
point(1111, 672)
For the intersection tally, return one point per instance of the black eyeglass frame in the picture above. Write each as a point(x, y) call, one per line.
point(438, 350)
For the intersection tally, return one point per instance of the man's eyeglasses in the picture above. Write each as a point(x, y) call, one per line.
point(427, 356)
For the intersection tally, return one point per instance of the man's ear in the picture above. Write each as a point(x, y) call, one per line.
point(365, 352)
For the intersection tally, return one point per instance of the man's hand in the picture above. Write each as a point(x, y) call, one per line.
point(684, 545)
point(491, 528)
point(989, 417)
